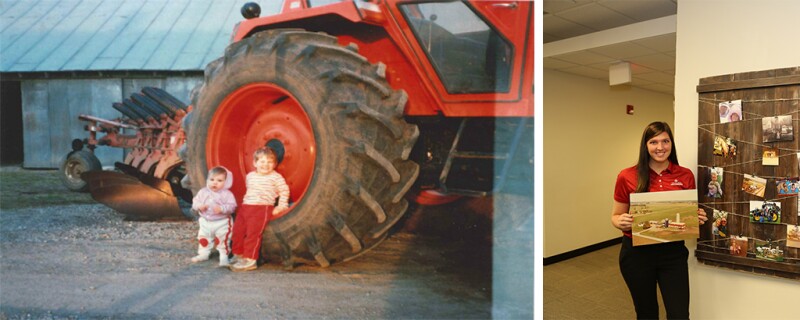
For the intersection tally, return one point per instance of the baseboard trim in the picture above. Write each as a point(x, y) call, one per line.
point(581, 251)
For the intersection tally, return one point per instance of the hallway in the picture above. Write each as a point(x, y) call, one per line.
point(588, 287)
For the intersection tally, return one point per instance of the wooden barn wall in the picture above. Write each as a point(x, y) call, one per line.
point(764, 94)
point(50, 110)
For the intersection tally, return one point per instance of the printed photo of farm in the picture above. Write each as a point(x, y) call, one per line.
point(769, 250)
point(664, 216)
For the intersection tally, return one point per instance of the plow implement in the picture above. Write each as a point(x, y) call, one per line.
point(146, 185)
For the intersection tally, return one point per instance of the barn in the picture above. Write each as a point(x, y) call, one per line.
point(63, 58)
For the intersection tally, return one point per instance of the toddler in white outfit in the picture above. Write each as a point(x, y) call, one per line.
point(215, 203)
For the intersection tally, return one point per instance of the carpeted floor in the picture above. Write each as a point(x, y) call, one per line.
point(588, 287)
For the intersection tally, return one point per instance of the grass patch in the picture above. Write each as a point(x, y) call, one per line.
point(21, 188)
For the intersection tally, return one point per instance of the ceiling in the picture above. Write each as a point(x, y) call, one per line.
point(585, 37)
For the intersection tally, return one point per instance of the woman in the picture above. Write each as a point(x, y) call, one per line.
point(664, 264)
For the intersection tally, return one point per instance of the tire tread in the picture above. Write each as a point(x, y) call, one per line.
point(359, 113)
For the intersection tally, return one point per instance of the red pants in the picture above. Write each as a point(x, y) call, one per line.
point(248, 228)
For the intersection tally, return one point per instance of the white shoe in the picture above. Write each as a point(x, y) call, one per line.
point(238, 263)
point(223, 261)
point(247, 264)
point(199, 258)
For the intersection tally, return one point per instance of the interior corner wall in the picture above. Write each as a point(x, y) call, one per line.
point(588, 138)
point(717, 38)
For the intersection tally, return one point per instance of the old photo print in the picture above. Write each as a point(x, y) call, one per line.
point(716, 175)
point(788, 186)
point(765, 212)
point(730, 111)
point(769, 157)
point(777, 128)
point(754, 185)
point(738, 246)
point(793, 236)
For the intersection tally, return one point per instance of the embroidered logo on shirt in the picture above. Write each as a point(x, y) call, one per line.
point(676, 183)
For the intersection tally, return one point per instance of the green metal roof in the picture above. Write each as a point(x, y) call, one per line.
point(116, 35)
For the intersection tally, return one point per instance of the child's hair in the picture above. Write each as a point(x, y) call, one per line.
point(265, 151)
point(218, 170)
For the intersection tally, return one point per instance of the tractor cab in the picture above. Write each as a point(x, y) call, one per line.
point(466, 53)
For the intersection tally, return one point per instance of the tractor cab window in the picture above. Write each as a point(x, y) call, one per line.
point(468, 55)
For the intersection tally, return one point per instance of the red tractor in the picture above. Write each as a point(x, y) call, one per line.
point(369, 104)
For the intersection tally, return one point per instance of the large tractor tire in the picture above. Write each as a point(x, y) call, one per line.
point(338, 125)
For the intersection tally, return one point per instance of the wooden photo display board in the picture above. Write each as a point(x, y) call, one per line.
point(764, 95)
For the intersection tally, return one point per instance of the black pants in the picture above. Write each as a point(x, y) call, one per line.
point(664, 264)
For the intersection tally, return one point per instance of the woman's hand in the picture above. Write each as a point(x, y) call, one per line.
point(622, 221)
point(701, 215)
point(620, 218)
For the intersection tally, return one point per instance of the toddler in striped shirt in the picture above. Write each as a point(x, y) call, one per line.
point(264, 187)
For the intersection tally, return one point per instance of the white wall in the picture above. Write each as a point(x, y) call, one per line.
point(716, 37)
point(588, 139)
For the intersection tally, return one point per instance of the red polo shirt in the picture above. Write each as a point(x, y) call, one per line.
point(674, 177)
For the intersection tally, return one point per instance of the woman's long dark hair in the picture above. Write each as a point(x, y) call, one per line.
point(643, 166)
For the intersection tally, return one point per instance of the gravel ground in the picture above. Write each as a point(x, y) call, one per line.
point(64, 257)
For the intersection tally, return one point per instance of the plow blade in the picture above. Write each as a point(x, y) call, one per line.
point(149, 201)
point(128, 170)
